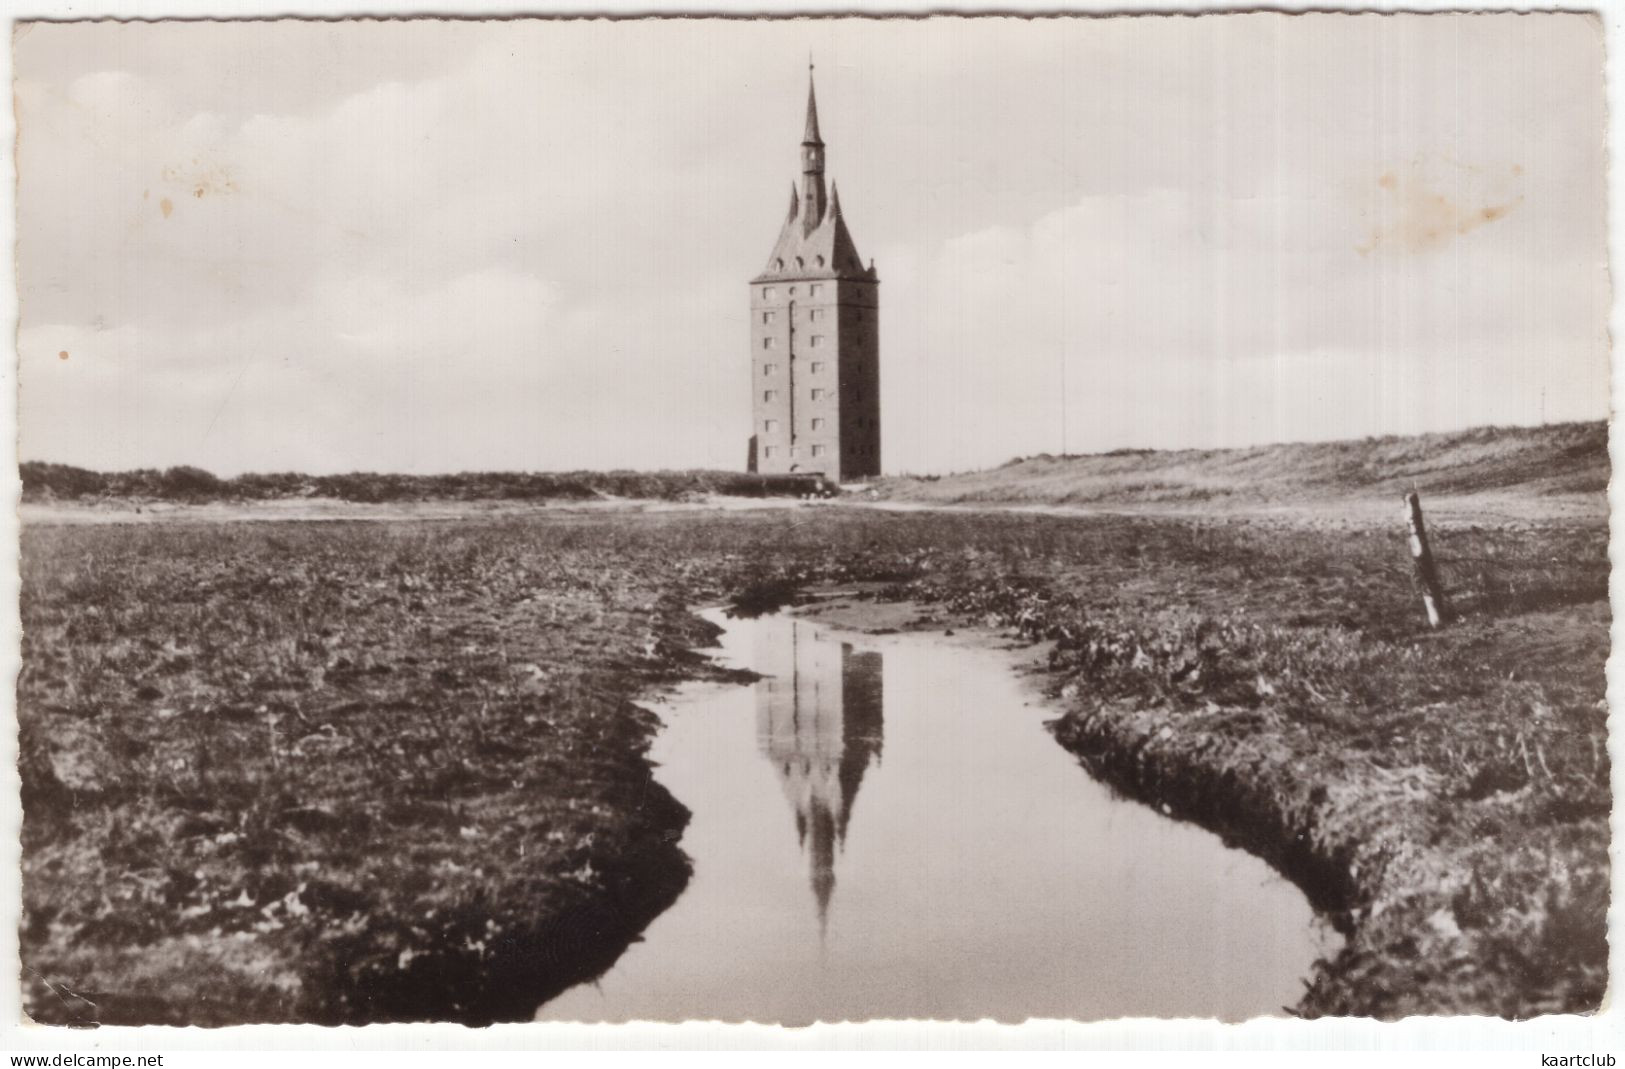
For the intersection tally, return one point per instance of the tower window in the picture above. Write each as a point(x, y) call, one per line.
point(770, 425)
point(818, 424)
point(768, 317)
point(816, 314)
point(817, 367)
point(768, 343)
point(768, 293)
point(818, 450)
point(818, 395)
point(770, 369)
point(817, 289)
point(770, 395)
point(818, 341)
point(770, 451)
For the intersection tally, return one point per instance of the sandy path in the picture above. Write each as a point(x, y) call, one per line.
point(1476, 509)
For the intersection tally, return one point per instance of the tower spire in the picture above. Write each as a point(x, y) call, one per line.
point(809, 136)
point(813, 202)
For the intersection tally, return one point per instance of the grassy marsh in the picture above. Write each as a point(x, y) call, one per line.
point(383, 771)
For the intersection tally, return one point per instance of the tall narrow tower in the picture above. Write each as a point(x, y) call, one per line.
point(815, 337)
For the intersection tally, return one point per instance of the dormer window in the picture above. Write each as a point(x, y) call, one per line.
point(819, 260)
point(779, 263)
point(800, 263)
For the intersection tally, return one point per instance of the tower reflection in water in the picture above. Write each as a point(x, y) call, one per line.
point(819, 720)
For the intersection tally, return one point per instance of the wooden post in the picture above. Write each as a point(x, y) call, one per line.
point(1427, 573)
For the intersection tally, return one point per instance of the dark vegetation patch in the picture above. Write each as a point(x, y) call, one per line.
point(356, 772)
point(188, 485)
point(763, 597)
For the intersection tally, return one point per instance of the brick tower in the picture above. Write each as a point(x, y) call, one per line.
point(815, 337)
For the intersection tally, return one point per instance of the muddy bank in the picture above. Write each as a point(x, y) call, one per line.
point(1395, 896)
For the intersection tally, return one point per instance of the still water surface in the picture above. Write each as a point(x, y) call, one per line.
point(883, 828)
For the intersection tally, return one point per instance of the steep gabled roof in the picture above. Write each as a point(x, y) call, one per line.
point(826, 251)
point(814, 242)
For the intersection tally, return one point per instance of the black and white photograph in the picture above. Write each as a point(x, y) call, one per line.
point(800, 520)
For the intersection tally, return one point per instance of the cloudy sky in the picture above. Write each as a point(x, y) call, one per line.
point(425, 246)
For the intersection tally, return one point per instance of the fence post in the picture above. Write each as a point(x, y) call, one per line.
point(1427, 573)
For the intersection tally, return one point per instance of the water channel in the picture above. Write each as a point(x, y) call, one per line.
point(883, 828)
